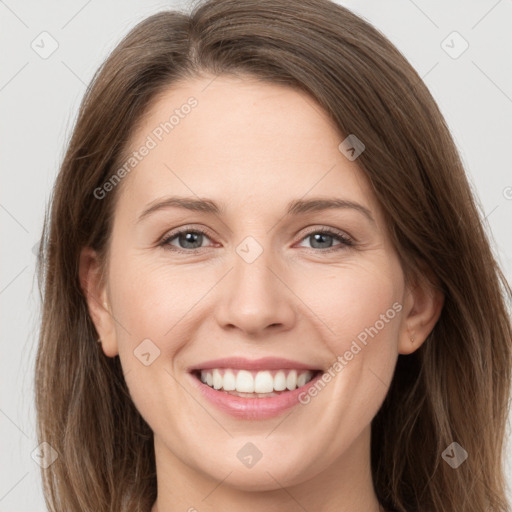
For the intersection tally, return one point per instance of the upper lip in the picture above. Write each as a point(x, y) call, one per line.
point(264, 363)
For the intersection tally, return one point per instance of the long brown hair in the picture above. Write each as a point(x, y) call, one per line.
point(454, 388)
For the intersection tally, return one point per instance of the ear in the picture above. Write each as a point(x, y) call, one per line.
point(422, 307)
point(97, 301)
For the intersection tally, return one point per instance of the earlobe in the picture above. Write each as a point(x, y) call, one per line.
point(424, 303)
point(95, 293)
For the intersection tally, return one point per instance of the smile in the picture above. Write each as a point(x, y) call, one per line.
point(253, 389)
point(255, 384)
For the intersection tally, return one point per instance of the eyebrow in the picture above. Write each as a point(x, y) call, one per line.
point(295, 207)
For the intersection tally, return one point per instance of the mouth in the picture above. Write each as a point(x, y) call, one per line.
point(253, 389)
point(255, 384)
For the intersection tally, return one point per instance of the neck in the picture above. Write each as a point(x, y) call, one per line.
point(345, 485)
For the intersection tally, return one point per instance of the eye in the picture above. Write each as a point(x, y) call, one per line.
point(189, 239)
point(322, 237)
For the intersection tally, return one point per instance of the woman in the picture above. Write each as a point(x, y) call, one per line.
point(249, 369)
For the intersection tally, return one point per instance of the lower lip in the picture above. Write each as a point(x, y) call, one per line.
point(253, 408)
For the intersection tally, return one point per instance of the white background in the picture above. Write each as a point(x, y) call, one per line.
point(39, 99)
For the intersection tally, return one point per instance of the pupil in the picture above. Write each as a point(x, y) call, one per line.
point(189, 238)
point(319, 236)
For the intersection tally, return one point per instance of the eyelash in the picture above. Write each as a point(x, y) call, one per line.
point(344, 239)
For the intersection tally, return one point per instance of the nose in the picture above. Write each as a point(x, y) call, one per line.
point(255, 298)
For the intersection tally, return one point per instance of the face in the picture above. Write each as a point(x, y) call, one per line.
point(249, 290)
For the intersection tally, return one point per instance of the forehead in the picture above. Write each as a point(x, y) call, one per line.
point(244, 141)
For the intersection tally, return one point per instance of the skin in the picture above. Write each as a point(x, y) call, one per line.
point(254, 147)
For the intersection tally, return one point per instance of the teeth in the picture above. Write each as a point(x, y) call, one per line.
point(291, 380)
point(280, 381)
point(242, 382)
point(217, 379)
point(263, 383)
point(229, 383)
point(301, 380)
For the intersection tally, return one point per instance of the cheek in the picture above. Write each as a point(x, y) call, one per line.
point(358, 302)
point(360, 311)
point(151, 299)
point(152, 306)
